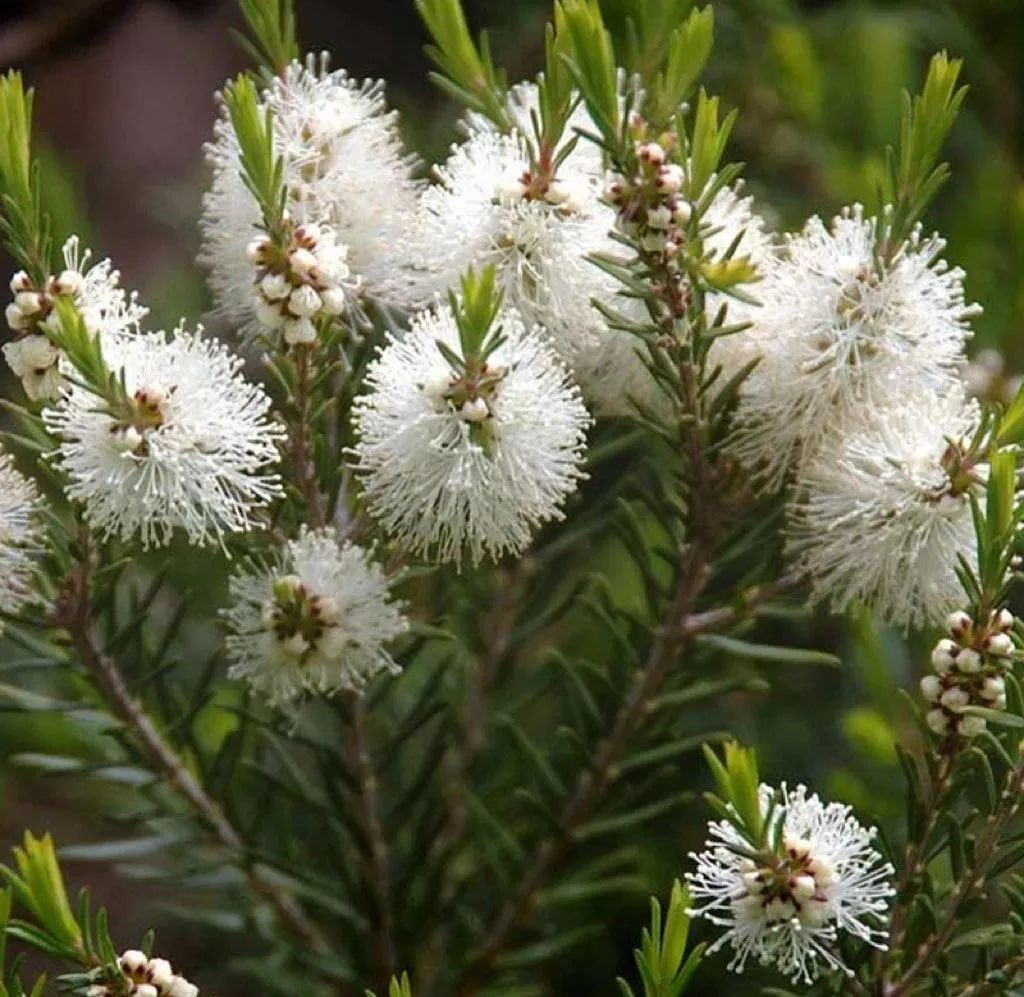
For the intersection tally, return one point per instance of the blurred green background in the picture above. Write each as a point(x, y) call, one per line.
point(125, 100)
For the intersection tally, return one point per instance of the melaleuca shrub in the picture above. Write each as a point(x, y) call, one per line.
point(405, 596)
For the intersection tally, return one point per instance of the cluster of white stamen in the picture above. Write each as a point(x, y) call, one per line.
point(969, 671)
point(104, 307)
point(20, 537)
point(787, 908)
point(316, 622)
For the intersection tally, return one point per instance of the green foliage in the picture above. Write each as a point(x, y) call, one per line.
point(475, 310)
point(590, 56)
point(466, 70)
point(262, 170)
point(397, 987)
point(24, 224)
point(38, 885)
point(688, 46)
point(660, 958)
point(274, 43)
point(912, 177)
point(738, 799)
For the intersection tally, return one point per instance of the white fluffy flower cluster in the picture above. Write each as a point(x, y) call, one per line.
point(20, 537)
point(857, 399)
point(189, 447)
point(882, 510)
point(344, 169)
point(455, 464)
point(787, 909)
point(104, 306)
point(970, 667)
point(142, 976)
point(490, 208)
point(304, 283)
point(318, 621)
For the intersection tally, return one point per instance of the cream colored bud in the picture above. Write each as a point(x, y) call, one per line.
point(332, 642)
point(69, 282)
point(670, 179)
point(126, 440)
point(38, 353)
point(968, 661)
point(159, 973)
point(145, 990)
point(268, 314)
point(654, 242)
point(803, 887)
point(944, 655)
point(304, 302)
point(275, 286)
point(659, 217)
point(296, 645)
point(999, 645)
point(133, 961)
point(475, 410)
point(651, 152)
point(931, 688)
point(972, 726)
point(43, 386)
point(180, 987)
point(938, 721)
point(16, 318)
point(1003, 619)
point(332, 299)
point(993, 687)
point(256, 250)
point(20, 282)
point(955, 699)
point(302, 261)
point(959, 623)
point(299, 332)
point(683, 213)
point(30, 302)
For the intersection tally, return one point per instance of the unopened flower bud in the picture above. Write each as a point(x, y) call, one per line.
point(670, 179)
point(37, 353)
point(304, 301)
point(302, 261)
point(654, 242)
point(955, 699)
point(30, 302)
point(256, 250)
point(938, 721)
point(972, 726)
point(1003, 619)
point(126, 440)
point(69, 282)
point(683, 213)
point(16, 318)
point(659, 217)
point(998, 645)
point(295, 645)
point(180, 987)
point(475, 410)
point(145, 990)
point(133, 961)
point(20, 282)
point(275, 286)
point(652, 153)
point(993, 687)
point(968, 661)
point(299, 332)
point(944, 655)
point(332, 300)
point(931, 688)
point(959, 623)
point(159, 973)
point(269, 314)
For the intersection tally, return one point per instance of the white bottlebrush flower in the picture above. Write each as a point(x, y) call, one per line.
point(106, 309)
point(614, 374)
point(881, 511)
point(344, 167)
point(191, 448)
point(477, 475)
point(788, 910)
point(140, 976)
point(317, 621)
point(838, 336)
point(20, 537)
point(487, 209)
